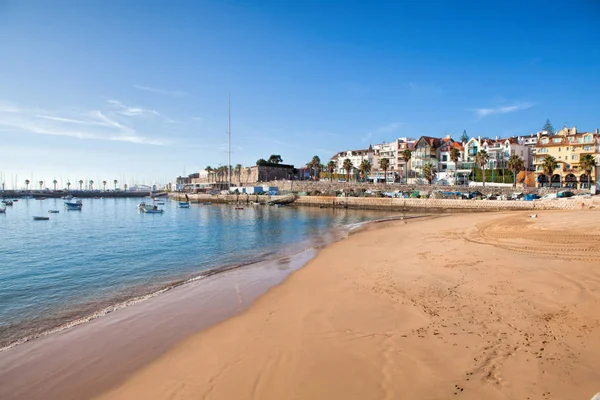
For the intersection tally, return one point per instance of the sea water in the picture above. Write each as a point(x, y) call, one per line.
point(78, 262)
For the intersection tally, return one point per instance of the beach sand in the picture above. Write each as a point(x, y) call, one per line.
point(476, 306)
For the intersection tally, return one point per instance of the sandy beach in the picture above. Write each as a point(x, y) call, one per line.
point(477, 306)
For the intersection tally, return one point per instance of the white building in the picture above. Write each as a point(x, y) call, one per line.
point(356, 157)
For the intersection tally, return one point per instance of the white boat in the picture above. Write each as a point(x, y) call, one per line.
point(184, 204)
point(153, 211)
point(143, 206)
point(3, 210)
point(76, 206)
point(68, 197)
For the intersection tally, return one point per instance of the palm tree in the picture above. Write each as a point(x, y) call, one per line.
point(515, 164)
point(588, 163)
point(331, 169)
point(104, 184)
point(384, 164)
point(406, 156)
point(275, 159)
point(91, 184)
point(115, 183)
point(549, 164)
point(41, 184)
point(364, 168)
point(54, 182)
point(238, 171)
point(316, 165)
point(347, 165)
point(125, 187)
point(455, 156)
point(429, 172)
point(482, 159)
point(68, 186)
point(80, 184)
point(27, 182)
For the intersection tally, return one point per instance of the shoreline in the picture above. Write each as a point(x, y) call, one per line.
point(340, 328)
point(101, 320)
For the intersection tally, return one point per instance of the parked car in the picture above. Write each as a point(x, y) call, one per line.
point(565, 193)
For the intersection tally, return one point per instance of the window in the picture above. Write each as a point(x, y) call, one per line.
point(587, 139)
point(587, 148)
point(574, 157)
point(571, 139)
point(556, 140)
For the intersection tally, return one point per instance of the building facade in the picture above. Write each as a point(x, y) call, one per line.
point(356, 157)
point(567, 146)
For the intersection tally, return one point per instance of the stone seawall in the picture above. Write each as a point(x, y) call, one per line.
point(401, 204)
point(440, 205)
point(324, 186)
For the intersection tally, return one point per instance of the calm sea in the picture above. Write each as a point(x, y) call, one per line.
point(79, 262)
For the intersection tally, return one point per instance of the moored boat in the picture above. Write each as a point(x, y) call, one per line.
point(184, 204)
point(155, 210)
point(7, 202)
point(73, 206)
point(53, 211)
point(3, 210)
point(41, 218)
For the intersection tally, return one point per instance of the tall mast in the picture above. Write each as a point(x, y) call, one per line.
point(229, 143)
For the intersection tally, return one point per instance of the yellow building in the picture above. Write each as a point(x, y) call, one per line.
point(566, 146)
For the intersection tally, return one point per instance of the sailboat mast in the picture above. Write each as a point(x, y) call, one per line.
point(229, 142)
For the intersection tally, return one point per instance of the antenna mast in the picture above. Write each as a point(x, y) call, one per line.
point(229, 143)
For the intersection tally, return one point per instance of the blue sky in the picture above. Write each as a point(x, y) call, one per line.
point(137, 90)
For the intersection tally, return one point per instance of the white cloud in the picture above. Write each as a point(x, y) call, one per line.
point(130, 111)
point(484, 112)
point(96, 125)
point(165, 92)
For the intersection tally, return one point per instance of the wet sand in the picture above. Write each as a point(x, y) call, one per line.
point(477, 306)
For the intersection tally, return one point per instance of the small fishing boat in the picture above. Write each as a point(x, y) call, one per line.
point(41, 218)
point(68, 197)
point(154, 210)
point(53, 211)
point(3, 210)
point(143, 206)
point(76, 206)
point(16, 200)
point(184, 204)
point(7, 202)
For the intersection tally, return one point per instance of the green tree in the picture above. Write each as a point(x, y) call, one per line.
point(548, 127)
point(331, 168)
point(68, 186)
point(364, 168)
point(549, 164)
point(41, 184)
point(27, 182)
point(91, 184)
point(454, 156)
point(515, 164)
point(347, 165)
point(429, 172)
point(115, 183)
point(315, 164)
point(275, 159)
point(125, 187)
point(588, 164)
point(482, 159)
point(384, 164)
point(261, 161)
point(104, 184)
point(406, 156)
point(464, 138)
point(54, 182)
point(80, 184)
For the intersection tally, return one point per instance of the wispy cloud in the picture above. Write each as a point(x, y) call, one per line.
point(165, 92)
point(98, 125)
point(129, 110)
point(484, 112)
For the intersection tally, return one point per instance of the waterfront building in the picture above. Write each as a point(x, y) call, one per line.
point(356, 157)
point(567, 146)
point(426, 150)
